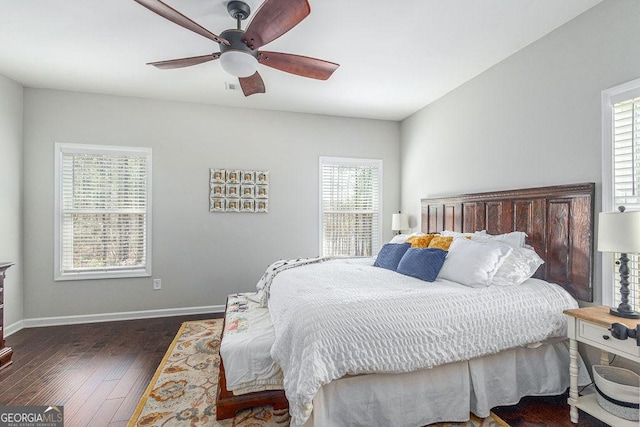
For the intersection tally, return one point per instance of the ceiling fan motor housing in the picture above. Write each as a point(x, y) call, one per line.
point(234, 37)
point(237, 58)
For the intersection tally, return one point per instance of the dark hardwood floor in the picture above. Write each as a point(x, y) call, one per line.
point(99, 371)
point(544, 412)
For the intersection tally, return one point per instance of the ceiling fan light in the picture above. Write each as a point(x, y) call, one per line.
point(238, 63)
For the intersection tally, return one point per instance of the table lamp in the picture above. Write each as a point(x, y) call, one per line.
point(619, 232)
point(399, 222)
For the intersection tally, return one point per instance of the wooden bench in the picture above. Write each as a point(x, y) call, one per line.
point(228, 404)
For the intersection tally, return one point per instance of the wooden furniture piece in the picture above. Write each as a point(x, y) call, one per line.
point(590, 325)
point(228, 404)
point(5, 352)
point(558, 221)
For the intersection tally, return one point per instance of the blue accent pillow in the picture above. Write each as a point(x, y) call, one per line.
point(390, 255)
point(423, 263)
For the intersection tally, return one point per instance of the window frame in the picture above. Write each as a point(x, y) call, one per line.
point(610, 97)
point(70, 148)
point(350, 161)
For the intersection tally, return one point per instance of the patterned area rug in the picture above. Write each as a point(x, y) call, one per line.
point(183, 390)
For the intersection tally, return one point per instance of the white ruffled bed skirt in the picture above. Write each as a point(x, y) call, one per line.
point(445, 393)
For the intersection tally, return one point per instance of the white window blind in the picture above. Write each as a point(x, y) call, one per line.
point(103, 211)
point(626, 180)
point(350, 206)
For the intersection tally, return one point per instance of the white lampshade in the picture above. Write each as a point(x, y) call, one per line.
point(399, 222)
point(619, 232)
point(238, 63)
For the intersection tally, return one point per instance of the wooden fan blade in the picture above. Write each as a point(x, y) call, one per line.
point(184, 62)
point(252, 84)
point(176, 17)
point(296, 64)
point(273, 19)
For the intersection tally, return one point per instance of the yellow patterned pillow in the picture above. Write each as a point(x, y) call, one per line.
point(421, 241)
point(441, 242)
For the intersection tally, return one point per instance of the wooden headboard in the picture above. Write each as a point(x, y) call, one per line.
point(558, 221)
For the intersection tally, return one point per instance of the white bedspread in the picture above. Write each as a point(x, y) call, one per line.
point(347, 317)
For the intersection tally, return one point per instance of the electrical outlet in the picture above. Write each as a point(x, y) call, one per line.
point(157, 284)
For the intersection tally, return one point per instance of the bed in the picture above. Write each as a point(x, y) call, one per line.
point(471, 362)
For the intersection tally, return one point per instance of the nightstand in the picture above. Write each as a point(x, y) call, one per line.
point(590, 325)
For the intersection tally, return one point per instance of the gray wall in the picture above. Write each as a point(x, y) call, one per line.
point(533, 119)
point(11, 196)
point(200, 256)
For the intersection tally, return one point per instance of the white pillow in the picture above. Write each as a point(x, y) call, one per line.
point(515, 239)
point(449, 233)
point(518, 266)
point(399, 238)
point(473, 263)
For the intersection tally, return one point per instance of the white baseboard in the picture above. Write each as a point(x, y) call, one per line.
point(13, 328)
point(109, 317)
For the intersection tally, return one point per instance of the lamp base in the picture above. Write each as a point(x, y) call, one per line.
point(625, 314)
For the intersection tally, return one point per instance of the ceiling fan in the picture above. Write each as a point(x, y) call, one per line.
point(239, 54)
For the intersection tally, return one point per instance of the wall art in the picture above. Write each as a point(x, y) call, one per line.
point(238, 190)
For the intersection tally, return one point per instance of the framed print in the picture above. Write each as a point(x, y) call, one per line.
point(233, 177)
point(233, 205)
point(238, 190)
point(248, 205)
point(262, 191)
point(262, 177)
point(247, 191)
point(233, 190)
point(248, 177)
point(262, 206)
point(218, 176)
point(218, 190)
point(217, 205)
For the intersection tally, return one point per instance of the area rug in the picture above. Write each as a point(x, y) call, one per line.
point(183, 390)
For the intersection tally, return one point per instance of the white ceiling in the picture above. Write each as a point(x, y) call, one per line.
point(395, 57)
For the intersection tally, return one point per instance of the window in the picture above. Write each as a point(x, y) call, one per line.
point(621, 178)
point(103, 212)
point(350, 205)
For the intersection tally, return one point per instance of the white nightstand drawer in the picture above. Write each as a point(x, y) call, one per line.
point(601, 337)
